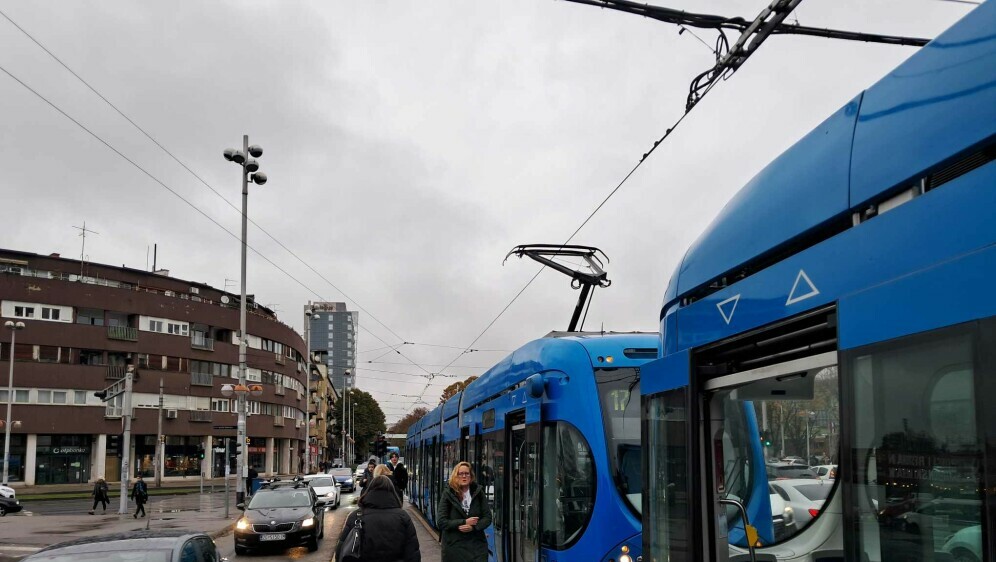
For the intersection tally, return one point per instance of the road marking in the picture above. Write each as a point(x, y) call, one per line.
point(812, 292)
point(728, 315)
point(19, 548)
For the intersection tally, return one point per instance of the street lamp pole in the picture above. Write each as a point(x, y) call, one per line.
point(352, 431)
point(249, 166)
point(308, 314)
point(13, 327)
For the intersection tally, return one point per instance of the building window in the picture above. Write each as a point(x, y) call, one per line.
point(79, 397)
point(156, 326)
point(117, 319)
point(91, 357)
point(176, 329)
point(91, 316)
point(44, 396)
point(58, 396)
point(21, 396)
point(24, 311)
point(50, 313)
point(219, 405)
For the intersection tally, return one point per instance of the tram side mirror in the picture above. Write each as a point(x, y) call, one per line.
point(793, 386)
point(535, 385)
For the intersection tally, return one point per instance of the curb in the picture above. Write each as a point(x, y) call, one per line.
point(421, 519)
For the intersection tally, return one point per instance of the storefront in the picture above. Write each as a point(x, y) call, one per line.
point(182, 456)
point(257, 453)
point(145, 456)
point(18, 448)
point(62, 459)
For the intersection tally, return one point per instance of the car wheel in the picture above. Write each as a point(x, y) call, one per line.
point(3, 511)
point(241, 550)
point(313, 544)
point(321, 532)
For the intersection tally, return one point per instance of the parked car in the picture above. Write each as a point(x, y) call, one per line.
point(825, 471)
point(281, 514)
point(325, 487)
point(794, 460)
point(941, 517)
point(6, 492)
point(9, 505)
point(805, 496)
point(965, 545)
point(173, 545)
point(344, 476)
point(783, 470)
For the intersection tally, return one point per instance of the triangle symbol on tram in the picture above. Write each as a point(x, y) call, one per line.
point(809, 288)
point(728, 307)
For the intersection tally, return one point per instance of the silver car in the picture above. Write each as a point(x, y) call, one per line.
point(325, 487)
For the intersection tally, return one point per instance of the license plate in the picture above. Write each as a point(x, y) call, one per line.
point(273, 537)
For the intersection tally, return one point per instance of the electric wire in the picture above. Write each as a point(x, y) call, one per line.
point(185, 200)
point(187, 168)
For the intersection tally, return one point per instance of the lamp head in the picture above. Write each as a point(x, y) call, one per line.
point(238, 157)
point(259, 178)
point(252, 165)
point(227, 389)
point(229, 154)
point(255, 151)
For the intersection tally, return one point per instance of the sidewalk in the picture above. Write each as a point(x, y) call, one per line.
point(192, 483)
point(22, 534)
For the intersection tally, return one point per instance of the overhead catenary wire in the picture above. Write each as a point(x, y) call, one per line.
point(198, 177)
point(186, 201)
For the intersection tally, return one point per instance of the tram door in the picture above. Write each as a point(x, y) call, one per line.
point(521, 513)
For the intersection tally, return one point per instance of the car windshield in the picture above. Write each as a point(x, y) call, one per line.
point(321, 482)
point(280, 498)
point(112, 556)
point(340, 472)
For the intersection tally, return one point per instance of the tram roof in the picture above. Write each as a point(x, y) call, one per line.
point(908, 124)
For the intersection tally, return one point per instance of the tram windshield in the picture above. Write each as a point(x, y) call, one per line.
point(619, 397)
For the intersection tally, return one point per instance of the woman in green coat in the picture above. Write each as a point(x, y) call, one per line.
point(463, 514)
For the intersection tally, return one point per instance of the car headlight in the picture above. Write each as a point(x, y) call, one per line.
point(330, 495)
point(350, 482)
point(308, 522)
point(242, 524)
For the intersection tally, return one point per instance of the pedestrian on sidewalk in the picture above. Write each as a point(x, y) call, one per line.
point(399, 474)
point(388, 532)
point(100, 495)
point(463, 514)
point(139, 493)
point(253, 475)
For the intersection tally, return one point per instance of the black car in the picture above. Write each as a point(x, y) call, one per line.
point(133, 546)
point(281, 514)
point(9, 505)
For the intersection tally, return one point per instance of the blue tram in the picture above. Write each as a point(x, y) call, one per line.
point(840, 313)
point(553, 433)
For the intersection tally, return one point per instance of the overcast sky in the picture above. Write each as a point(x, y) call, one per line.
point(409, 145)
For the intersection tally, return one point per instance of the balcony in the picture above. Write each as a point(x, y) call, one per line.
point(200, 416)
point(125, 333)
point(201, 379)
point(200, 341)
point(278, 421)
point(115, 372)
point(278, 389)
point(280, 359)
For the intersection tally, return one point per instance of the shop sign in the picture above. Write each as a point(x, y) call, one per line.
point(64, 450)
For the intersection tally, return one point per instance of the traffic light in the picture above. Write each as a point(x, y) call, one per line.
point(766, 438)
point(102, 394)
point(200, 452)
point(381, 446)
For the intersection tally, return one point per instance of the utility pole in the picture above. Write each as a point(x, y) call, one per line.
point(160, 446)
point(126, 440)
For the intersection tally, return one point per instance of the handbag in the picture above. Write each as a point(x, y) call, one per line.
point(350, 550)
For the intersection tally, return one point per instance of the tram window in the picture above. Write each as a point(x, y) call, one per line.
point(917, 448)
point(568, 484)
point(667, 527)
point(619, 396)
point(772, 430)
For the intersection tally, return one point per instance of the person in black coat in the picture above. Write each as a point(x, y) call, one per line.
point(399, 474)
point(140, 493)
point(368, 474)
point(462, 515)
point(388, 532)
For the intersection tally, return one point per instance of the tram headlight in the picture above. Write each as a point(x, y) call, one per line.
point(625, 557)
